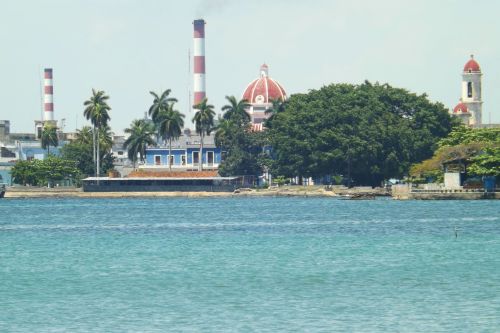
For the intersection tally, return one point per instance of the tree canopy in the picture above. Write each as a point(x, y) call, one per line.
point(477, 150)
point(243, 147)
point(80, 150)
point(44, 172)
point(367, 132)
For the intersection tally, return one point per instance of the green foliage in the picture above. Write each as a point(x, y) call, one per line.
point(204, 117)
point(97, 111)
point(236, 110)
point(337, 179)
point(80, 150)
point(49, 137)
point(465, 135)
point(160, 103)
point(97, 108)
point(81, 155)
point(204, 123)
point(487, 163)
point(280, 180)
point(478, 149)
point(140, 137)
point(44, 172)
point(244, 148)
point(170, 123)
point(367, 132)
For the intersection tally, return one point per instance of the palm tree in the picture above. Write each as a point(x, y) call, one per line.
point(160, 103)
point(170, 127)
point(222, 132)
point(236, 110)
point(204, 123)
point(85, 136)
point(49, 137)
point(105, 139)
point(140, 137)
point(96, 110)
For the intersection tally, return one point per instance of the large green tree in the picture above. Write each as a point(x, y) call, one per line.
point(367, 132)
point(204, 124)
point(97, 111)
point(44, 172)
point(243, 147)
point(140, 133)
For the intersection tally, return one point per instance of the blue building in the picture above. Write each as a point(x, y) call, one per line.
point(185, 155)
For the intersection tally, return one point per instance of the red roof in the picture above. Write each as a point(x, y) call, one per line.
point(460, 108)
point(264, 89)
point(472, 65)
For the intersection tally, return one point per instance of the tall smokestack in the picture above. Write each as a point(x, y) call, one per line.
point(199, 61)
point(48, 100)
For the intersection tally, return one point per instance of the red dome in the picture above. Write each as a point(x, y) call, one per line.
point(460, 108)
point(472, 65)
point(264, 89)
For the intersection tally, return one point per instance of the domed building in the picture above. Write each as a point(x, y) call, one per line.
point(260, 93)
point(462, 112)
point(470, 108)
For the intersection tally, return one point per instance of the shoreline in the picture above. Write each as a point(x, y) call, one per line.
point(302, 191)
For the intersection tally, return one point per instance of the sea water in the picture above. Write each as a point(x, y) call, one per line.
point(249, 265)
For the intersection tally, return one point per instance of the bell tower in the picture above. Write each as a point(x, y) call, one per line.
point(471, 91)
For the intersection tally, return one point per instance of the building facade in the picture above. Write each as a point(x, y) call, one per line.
point(185, 154)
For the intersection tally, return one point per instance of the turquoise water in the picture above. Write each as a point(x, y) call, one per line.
point(249, 264)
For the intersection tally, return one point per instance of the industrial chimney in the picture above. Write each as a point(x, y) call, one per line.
point(48, 99)
point(199, 61)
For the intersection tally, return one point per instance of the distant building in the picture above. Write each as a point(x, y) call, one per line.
point(4, 131)
point(5, 176)
point(470, 107)
point(118, 151)
point(185, 154)
point(260, 93)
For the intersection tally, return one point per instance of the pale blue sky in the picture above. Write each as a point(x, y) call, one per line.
point(129, 47)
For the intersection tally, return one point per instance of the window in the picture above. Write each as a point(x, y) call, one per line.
point(157, 160)
point(183, 159)
point(120, 153)
point(171, 159)
point(210, 158)
point(196, 157)
point(469, 89)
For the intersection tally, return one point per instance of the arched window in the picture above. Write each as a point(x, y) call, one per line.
point(469, 89)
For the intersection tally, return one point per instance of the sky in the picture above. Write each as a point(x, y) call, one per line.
point(130, 47)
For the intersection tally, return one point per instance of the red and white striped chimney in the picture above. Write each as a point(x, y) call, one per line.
point(199, 61)
point(48, 99)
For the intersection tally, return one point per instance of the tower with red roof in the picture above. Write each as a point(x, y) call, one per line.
point(470, 108)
